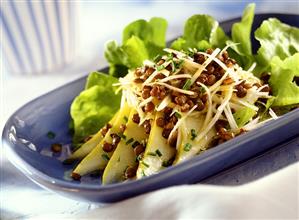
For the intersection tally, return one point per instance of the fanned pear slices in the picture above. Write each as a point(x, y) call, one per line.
point(97, 159)
point(87, 147)
point(158, 153)
point(188, 145)
point(124, 156)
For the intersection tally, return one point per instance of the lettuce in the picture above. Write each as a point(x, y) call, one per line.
point(94, 106)
point(201, 32)
point(243, 116)
point(282, 80)
point(241, 42)
point(276, 39)
point(141, 40)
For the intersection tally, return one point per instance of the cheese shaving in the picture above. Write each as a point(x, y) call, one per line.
point(180, 121)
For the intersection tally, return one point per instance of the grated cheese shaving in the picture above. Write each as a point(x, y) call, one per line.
point(220, 109)
point(180, 121)
point(205, 64)
point(181, 76)
point(187, 92)
point(272, 114)
point(164, 103)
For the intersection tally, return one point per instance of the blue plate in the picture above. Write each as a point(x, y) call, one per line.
point(28, 147)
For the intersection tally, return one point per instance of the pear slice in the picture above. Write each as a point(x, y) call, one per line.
point(158, 152)
point(97, 159)
point(87, 147)
point(187, 144)
point(124, 155)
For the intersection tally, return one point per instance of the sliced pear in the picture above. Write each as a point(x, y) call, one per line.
point(87, 147)
point(124, 155)
point(158, 152)
point(97, 159)
point(187, 144)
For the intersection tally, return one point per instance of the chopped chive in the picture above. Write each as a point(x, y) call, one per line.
point(187, 147)
point(135, 144)
point(161, 67)
point(179, 64)
point(151, 154)
point(105, 157)
point(118, 160)
point(169, 56)
point(178, 115)
point(121, 135)
point(193, 134)
point(202, 90)
point(129, 141)
point(51, 135)
point(173, 66)
point(187, 84)
point(166, 163)
point(126, 118)
point(143, 173)
point(145, 164)
point(139, 158)
point(157, 58)
point(158, 153)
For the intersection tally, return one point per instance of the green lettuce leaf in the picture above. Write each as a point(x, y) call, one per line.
point(201, 31)
point(243, 115)
point(241, 41)
point(282, 80)
point(141, 40)
point(153, 31)
point(94, 106)
point(276, 39)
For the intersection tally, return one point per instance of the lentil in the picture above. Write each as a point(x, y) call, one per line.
point(211, 80)
point(130, 172)
point(139, 149)
point(160, 122)
point(199, 58)
point(107, 147)
point(138, 80)
point(149, 107)
point(122, 128)
point(146, 92)
point(76, 176)
point(166, 133)
point(56, 148)
point(241, 91)
point(136, 118)
point(147, 126)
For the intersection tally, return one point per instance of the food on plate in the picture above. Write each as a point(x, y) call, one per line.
point(170, 104)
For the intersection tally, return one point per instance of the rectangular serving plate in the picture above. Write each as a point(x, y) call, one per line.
point(28, 148)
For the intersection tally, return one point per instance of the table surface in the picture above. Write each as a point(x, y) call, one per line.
point(15, 186)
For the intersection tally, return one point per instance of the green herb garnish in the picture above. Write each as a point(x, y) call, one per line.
point(126, 118)
point(193, 134)
point(121, 135)
point(145, 164)
point(51, 135)
point(187, 147)
point(187, 85)
point(129, 141)
point(157, 58)
point(143, 173)
point(139, 158)
point(105, 157)
point(178, 115)
point(152, 154)
point(161, 67)
point(158, 153)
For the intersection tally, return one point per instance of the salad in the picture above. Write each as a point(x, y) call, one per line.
point(162, 105)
